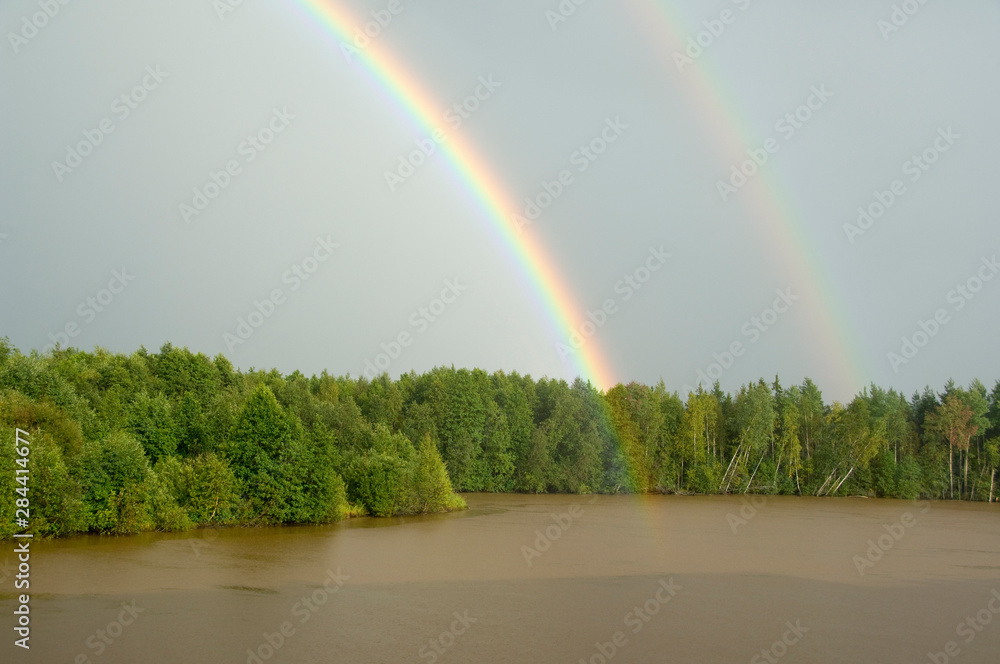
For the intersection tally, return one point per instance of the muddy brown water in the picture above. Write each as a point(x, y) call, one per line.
point(534, 579)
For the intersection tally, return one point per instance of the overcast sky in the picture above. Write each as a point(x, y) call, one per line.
point(777, 267)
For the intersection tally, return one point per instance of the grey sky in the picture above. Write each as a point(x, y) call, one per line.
point(210, 82)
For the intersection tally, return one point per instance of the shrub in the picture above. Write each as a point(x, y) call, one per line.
point(115, 476)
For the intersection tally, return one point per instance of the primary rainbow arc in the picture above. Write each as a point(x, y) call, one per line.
point(703, 88)
point(471, 168)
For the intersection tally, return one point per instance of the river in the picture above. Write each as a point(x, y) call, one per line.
point(520, 578)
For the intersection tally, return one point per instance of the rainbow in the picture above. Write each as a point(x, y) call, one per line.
point(772, 207)
point(551, 294)
point(783, 230)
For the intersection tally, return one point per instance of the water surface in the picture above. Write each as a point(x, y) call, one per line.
point(537, 579)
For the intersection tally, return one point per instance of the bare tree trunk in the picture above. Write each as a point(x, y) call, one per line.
point(951, 478)
point(979, 479)
point(819, 492)
point(754, 473)
point(746, 458)
point(726, 476)
point(843, 480)
point(965, 481)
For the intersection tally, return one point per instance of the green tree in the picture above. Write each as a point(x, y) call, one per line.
point(537, 467)
point(322, 486)
point(8, 471)
point(754, 416)
point(57, 507)
point(149, 420)
point(575, 441)
point(380, 401)
point(812, 414)
point(378, 478)
point(993, 414)
point(636, 455)
point(992, 461)
point(514, 395)
point(953, 422)
point(263, 446)
point(431, 489)
point(856, 440)
point(210, 490)
point(788, 443)
point(496, 462)
point(114, 474)
point(166, 487)
point(18, 410)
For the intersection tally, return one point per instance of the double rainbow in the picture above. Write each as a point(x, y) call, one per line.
point(783, 229)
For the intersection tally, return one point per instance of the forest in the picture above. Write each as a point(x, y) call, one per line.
point(173, 440)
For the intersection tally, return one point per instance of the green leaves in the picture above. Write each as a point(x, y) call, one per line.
point(115, 478)
point(150, 422)
point(209, 490)
point(265, 451)
point(430, 488)
point(378, 478)
point(174, 439)
point(392, 478)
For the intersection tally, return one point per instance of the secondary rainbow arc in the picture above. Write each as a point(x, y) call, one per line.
point(704, 89)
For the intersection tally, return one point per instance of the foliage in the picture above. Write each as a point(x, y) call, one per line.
point(175, 439)
point(115, 476)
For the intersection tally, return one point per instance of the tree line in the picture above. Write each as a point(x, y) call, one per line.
point(175, 439)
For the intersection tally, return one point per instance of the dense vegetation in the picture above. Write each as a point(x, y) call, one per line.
point(172, 440)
